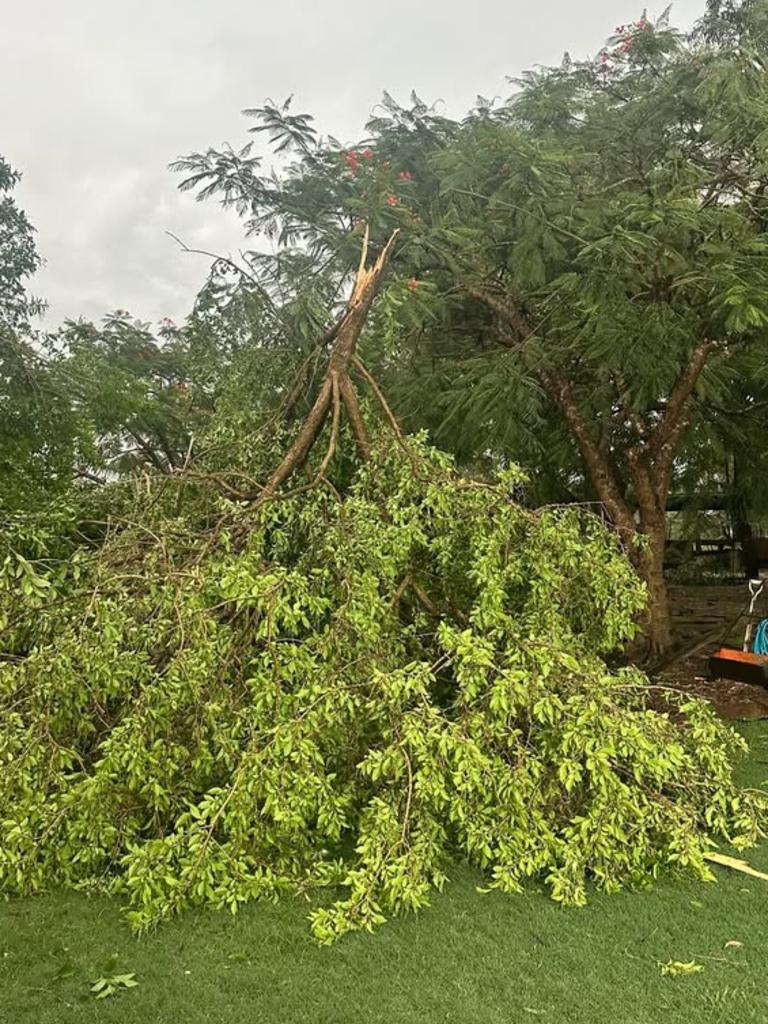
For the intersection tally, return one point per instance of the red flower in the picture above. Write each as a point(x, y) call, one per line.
point(368, 154)
point(351, 160)
point(413, 284)
point(604, 57)
point(392, 200)
point(405, 176)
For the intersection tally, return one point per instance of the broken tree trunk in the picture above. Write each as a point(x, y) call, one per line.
point(336, 388)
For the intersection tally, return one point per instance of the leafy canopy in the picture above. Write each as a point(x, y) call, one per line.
point(39, 432)
point(619, 202)
point(323, 692)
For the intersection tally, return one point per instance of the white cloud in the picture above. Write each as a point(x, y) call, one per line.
point(96, 98)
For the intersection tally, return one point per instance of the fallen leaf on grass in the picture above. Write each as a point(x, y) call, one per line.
point(103, 988)
point(673, 968)
point(734, 944)
point(736, 864)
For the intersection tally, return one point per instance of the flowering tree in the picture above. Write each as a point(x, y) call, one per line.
point(588, 259)
point(615, 211)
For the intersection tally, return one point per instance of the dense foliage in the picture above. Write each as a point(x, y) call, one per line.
point(586, 262)
point(19, 258)
point(41, 437)
point(255, 640)
point(353, 692)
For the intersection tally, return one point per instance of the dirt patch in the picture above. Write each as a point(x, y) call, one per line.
point(731, 700)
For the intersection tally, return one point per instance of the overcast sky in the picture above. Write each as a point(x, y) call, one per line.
point(96, 97)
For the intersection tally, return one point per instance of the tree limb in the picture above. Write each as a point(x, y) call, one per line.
point(666, 436)
point(602, 471)
point(336, 380)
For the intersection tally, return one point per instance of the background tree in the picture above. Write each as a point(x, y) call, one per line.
point(38, 432)
point(19, 258)
point(587, 261)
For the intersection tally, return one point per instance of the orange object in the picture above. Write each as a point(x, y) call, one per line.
point(742, 666)
point(733, 655)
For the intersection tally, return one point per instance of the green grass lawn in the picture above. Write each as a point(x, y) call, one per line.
point(490, 959)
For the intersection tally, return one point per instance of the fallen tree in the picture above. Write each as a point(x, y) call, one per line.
point(347, 681)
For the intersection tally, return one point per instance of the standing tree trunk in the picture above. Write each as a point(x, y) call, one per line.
point(650, 565)
point(638, 513)
point(642, 500)
point(742, 528)
point(634, 501)
point(658, 623)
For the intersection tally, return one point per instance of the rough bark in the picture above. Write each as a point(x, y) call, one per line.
point(650, 464)
point(601, 468)
point(658, 623)
point(666, 437)
point(636, 505)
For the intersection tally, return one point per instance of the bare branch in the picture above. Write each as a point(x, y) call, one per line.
point(355, 417)
point(334, 428)
point(359, 366)
point(336, 382)
point(214, 256)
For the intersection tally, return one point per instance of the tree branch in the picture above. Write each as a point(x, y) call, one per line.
point(392, 419)
point(225, 260)
point(356, 421)
point(602, 471)
point(336, 381)
point(666, 436)
point(298, 451)
point(506, 306)
point(149, 451)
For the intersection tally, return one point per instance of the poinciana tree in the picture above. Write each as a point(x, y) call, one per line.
point(588, 259)
point(615, 212)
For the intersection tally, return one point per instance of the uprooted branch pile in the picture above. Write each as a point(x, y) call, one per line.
point(348, 688)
